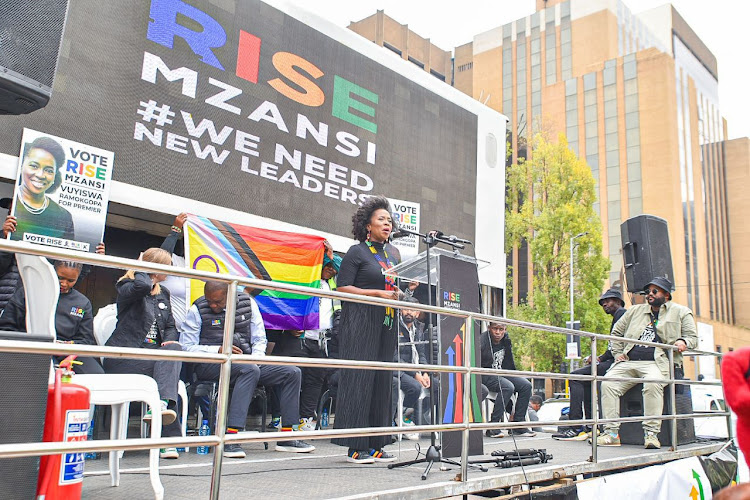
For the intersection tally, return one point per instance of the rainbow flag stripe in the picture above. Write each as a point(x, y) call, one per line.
point(217, 246)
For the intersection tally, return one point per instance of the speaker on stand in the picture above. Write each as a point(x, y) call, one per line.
point(645, 251)
point(30, 37)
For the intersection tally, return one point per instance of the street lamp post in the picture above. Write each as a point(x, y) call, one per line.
point(572, 281)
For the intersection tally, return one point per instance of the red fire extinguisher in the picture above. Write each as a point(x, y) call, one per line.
point(61, 476)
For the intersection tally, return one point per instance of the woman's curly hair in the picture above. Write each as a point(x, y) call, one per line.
point(362, 216)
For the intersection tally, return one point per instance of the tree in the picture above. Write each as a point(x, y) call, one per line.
point(550, 199)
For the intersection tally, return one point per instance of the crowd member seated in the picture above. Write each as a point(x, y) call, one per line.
point(9, 277)
point(535, 403)
point(410, 333)
point(580, 390)
point(497, 352)
point(74, 319)
point(661, 321)
point(144, 320)
point(314, 343)
point(203, 330)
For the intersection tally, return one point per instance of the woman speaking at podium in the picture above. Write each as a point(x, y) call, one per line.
point(367, 332)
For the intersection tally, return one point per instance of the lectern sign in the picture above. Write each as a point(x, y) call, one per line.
point(458, 288)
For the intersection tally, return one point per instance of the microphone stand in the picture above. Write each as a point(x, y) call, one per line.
point(433, 455)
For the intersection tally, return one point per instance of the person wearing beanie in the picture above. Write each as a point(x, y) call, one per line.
point(659, 320)
point(580, 390)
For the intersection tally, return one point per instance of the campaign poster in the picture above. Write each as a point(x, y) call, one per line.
point(406, 214)
point(61, 193)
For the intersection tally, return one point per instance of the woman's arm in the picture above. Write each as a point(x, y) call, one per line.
point(383, 294)
point(135, 289)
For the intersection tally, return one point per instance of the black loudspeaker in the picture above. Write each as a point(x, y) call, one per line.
point(645, 251)
point(30, 37)
point(631, 405)
point(23, 404)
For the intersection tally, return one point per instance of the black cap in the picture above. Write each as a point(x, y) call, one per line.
point(662, 283)
point(612, 293)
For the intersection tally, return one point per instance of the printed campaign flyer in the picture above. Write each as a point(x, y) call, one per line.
point(62, 192)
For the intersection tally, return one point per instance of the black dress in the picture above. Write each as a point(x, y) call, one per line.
point(364, 396)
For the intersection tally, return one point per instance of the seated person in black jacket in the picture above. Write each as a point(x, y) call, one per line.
point(410, 350)
point(580, 390)
point(203, 331)
point(74, 320)
point(497, 352)
point(144, 320)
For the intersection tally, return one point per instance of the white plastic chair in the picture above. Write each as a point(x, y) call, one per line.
point(105, 322)
point(42, 289)
point(118, 390)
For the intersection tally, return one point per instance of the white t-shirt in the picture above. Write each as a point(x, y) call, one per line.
point(177, 291)
point(325, 314)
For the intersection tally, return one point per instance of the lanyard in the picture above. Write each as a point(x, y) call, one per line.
point(390, 283)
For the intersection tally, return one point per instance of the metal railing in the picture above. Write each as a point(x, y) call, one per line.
point(226, 358)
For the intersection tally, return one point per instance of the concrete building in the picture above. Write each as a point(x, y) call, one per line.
point(399, 39)
point(637, 98)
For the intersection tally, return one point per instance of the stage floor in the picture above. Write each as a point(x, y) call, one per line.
point(325, 473)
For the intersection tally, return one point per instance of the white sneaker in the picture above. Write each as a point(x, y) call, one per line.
point(414, 436)
point(167, 416)
point(306, 424)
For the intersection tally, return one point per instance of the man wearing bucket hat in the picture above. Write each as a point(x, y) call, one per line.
point(315, 343)
point(661, 321)
point(580, 390)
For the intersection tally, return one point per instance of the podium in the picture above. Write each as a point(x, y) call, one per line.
point(456, 281)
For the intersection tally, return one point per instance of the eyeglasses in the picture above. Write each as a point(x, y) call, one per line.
point(652, 291)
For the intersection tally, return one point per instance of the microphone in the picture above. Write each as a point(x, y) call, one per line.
point(456, 239)
point(399, 234)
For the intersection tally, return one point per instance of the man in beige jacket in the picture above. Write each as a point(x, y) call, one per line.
point(661, 321)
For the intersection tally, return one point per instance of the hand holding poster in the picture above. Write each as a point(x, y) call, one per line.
point(216, 246)
point(62, 192)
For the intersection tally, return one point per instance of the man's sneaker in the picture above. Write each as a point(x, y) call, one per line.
point(169, 453)
point(274, 424)
point(382, 456)
point(234, 450)
point(167, 416)
point(571, 434)
point(306, 424)
point(294, 446)
point(522, 432)
point(494, 433)
point(651, 442)
point(360, 457)
point(408, 422)
point(608, 439)
point(412, 436)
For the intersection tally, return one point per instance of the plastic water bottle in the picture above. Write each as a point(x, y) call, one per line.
point(324, 418)
point(203, 431)
point(91, 455)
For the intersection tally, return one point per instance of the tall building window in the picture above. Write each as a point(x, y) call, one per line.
point(632, 135)
point(522, 120)
point(536, 71)
point(565, 42)
point(591, 126)
point(571, 113)
point(508, 74)
point(550, 47)
point(683, 180)
point(612, 162)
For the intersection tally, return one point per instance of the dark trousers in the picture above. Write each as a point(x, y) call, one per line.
point(580, 391)
point(505, 387)
point(165, 373)
point(286, 380)
point(312, 379)
point(412, 390)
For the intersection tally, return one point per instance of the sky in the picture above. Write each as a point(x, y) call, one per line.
point(722, 25)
